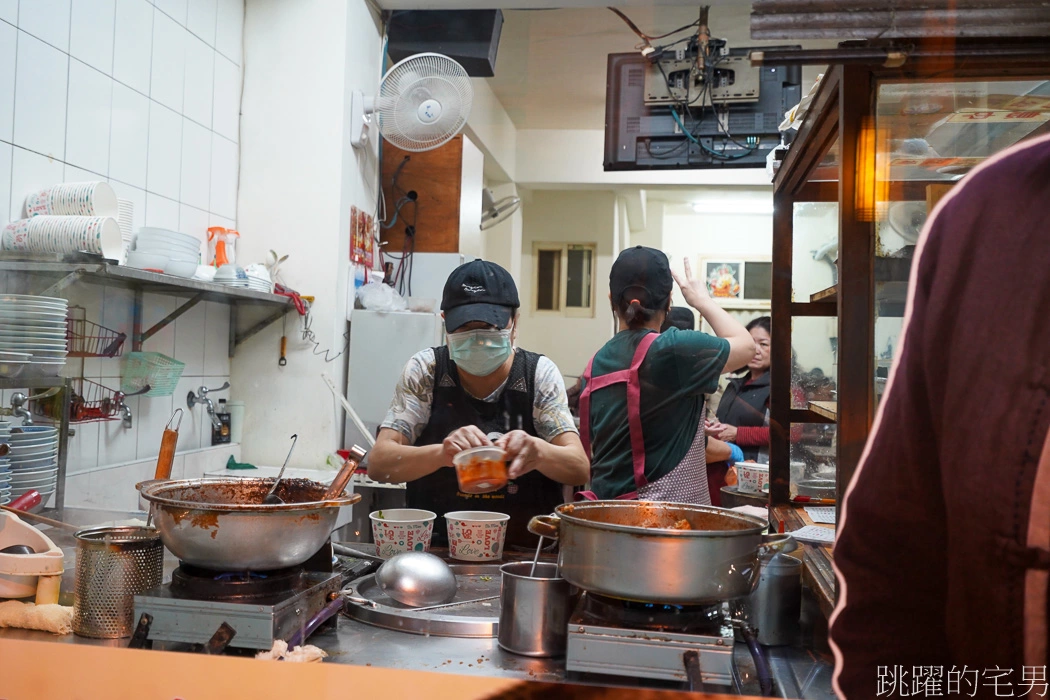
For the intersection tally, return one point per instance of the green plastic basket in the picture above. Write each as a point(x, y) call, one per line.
point(160, 372)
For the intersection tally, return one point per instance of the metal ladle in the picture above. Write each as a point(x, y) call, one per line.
point(271, 499)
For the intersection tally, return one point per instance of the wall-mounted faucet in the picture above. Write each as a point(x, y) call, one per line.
point(202, 397)
point(18, 408)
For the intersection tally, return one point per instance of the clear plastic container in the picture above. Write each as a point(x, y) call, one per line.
point(481, 469)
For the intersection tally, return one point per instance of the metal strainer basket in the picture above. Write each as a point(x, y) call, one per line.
point(114, 564)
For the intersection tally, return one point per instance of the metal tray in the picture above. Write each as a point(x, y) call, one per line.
point(469, 620)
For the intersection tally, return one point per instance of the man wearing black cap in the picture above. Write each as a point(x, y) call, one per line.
point(476, 390)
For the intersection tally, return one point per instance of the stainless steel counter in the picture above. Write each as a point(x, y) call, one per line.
point(799, 673)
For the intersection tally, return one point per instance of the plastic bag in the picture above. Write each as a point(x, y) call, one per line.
point(377, 296)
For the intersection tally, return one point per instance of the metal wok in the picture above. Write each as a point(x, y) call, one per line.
point(659, 552)
point(222, 524)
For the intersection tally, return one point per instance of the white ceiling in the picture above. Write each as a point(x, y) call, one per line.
point(551, 64)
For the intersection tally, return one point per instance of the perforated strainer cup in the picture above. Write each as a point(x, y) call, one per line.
point(114, 564)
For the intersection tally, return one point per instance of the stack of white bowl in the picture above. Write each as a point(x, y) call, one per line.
point(35, 326)
point(232, 276)
point(170, 252)
point(125, 216)
point(5, 465)
point(34, 460)
point(259, 283)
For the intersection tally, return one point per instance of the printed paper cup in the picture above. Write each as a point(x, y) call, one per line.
point(476, 535)
point(73, 199)
point(752, 477)
point(399, 530)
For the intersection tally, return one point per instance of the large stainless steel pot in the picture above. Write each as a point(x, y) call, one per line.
point(222, 524)
point(659, 552)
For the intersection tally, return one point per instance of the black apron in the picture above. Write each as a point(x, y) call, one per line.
point(453, 408)
point(744, 405)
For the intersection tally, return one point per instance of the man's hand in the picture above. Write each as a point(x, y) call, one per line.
point(463, 439)
point(694, 290)
point(713, 428)
point(522, 450)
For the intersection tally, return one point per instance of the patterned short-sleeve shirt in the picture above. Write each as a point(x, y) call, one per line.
point(409, 410)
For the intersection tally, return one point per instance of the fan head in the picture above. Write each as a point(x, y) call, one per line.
point(423, 101)
point(907, 219)
point(494, 212)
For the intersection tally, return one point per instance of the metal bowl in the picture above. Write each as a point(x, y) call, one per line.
point(222, 524)
point(417, 579)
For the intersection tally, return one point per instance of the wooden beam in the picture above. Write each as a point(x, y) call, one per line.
point(856, 284)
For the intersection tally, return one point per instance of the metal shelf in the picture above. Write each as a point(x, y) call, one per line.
point(258, 309)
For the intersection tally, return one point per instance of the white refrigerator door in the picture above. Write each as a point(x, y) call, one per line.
point(380, 345)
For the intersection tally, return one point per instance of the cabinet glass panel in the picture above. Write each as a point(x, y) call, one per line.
point(813, 460)
point(815, 245)
point(927, 136)
point(814, 366)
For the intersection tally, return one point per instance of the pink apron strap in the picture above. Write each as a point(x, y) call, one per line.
point(585, 410)
point(634, 414)
point(634, 410)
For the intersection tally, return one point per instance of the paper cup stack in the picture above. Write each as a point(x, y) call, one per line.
point(125, 216)
point(65, 234)
point(68, 218)
point(73, 199)
point(34, 326)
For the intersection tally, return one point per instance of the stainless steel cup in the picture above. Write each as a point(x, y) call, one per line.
point(534, 614)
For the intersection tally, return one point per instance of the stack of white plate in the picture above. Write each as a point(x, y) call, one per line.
point(34, 460)
point(5, 465)
point(170, 252)
point(35, 325)
point(125, 215)
point(259, 283)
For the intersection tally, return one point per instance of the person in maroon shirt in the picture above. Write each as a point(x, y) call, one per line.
point(943, 548)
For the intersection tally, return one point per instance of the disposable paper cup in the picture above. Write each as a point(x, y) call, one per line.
point(752, 477)
point(402, 530)
point(476, 535)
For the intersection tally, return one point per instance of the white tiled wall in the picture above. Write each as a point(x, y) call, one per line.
point(145, 95)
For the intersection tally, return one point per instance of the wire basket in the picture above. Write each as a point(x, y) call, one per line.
point(90, 402)
point(87, 339)
point(141, 369)
point(114, 564)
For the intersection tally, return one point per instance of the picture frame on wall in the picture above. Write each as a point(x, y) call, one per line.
point(738, 282)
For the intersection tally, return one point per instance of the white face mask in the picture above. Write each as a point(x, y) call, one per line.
point(480, 352)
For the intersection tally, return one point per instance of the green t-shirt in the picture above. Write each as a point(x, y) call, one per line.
point(679, 369)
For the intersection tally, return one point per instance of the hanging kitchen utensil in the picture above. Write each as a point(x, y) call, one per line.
point(271, 498)
point(282, 360)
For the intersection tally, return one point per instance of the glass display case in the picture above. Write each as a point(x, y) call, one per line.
point(878, 148)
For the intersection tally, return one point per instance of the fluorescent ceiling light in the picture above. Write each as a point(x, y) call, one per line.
point(733, 206)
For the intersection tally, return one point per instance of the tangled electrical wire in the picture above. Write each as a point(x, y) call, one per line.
point(704, 96)
point(402, 277)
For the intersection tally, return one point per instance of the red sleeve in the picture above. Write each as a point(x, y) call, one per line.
point(753, 436)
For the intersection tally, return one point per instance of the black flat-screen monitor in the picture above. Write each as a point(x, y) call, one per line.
point(672, 113)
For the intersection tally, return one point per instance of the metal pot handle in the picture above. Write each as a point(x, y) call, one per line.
point(545, 526)
point(773, 544)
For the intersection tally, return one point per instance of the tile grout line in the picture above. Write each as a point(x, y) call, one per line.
point(11, 174)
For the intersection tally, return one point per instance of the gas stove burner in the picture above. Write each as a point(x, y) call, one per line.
point(599, 609)
point(201, 584)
